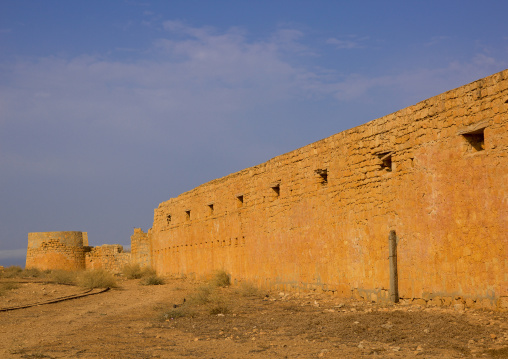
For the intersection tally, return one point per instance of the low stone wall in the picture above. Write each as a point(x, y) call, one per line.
point(110, 257)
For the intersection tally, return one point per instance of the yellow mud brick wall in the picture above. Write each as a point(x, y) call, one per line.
point(110, 257)
point(70, 251)
point(56, 250)
point(319, 217)
point(140, 248)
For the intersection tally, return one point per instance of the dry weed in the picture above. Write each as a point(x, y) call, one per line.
point(246, 289)
point(60, 276)
point(201, 295)
point(96, 278)
point(32, 273)
point(221, 279)
point(11, 272)
point(135, 271)
point(4, 287)
point(152, 280)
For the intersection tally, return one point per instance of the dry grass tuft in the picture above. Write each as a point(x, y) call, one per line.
point(210, 297)
point(246, 289)
point(221, 279)
point(152, 280)
point(32, 273)
point(4, 287)
point(135, 271)
point(60, 276)
point(96, 278)
point(132, 271)
point(11, 272)
point(201, 295)
point(219, 308)
point(180, 312)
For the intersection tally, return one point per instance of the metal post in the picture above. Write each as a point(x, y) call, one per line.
point(394, 280)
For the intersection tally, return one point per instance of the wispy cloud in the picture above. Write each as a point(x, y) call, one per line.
point(197, 78)
point(435, 40)
point(348, 42)
point(200, 78)
point(419, 83)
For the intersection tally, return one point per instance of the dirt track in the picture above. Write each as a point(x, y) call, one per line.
point(129, 322)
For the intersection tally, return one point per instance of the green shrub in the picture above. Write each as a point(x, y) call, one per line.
point(152, 280)
point(221, 279)
point(60, 276)
point(96, 278)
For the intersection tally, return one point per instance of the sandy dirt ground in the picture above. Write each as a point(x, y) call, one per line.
point(136, 321)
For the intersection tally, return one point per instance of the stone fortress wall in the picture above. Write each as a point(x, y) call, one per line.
point(110, 257)
point(141, 248)
point(57, 250)
point(319, 217)
point(70, 251)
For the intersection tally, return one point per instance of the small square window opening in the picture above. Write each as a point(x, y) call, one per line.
point(386, 161)
point(476, 139)
point(239, 200)
point(323, 176)
point(276, 189)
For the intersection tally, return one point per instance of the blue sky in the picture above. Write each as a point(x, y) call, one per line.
point(108, 108)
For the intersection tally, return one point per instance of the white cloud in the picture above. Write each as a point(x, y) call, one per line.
point(419, 83)
point(348, 42)
point(199, 84)
point(196, 78)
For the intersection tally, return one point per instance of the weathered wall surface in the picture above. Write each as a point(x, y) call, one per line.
point(110, 257)
point(319, 217)
point(140, 248)
point(56, 250)
point(70, 251)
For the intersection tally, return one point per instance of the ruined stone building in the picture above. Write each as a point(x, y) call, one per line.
point(70, 251)
point(319, 217)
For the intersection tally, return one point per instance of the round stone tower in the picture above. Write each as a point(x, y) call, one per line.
point(56, 250)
